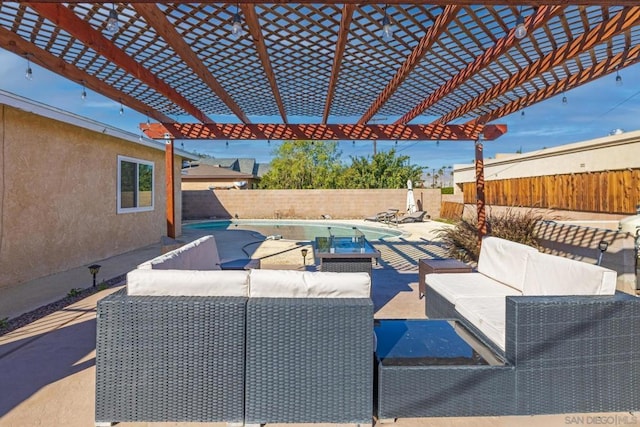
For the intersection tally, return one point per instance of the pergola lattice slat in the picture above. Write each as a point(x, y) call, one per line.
point(343, 34)
point(14, 43)
point(600, 69)
point(412, 60)
point(156, 18)
point(324, 61)
point(543, 14)
point(80, 29)
point(618, 24)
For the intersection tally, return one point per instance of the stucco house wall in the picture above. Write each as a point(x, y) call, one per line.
point(58, 191)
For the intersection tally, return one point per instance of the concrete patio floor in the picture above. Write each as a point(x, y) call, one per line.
point(47, 368)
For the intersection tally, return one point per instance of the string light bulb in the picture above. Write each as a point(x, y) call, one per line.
point(387, 30)
point(521, 30)
point(28, 74)
point(121, 108)
point(112, 21)
point(236, 28)
point(565, 101)
point(83, 95)
point(618, 78)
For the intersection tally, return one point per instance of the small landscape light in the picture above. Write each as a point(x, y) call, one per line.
point(94, 269)
point(602, 247)
point(304, 252)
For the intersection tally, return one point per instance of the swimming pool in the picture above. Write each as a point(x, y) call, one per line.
point(293, 230)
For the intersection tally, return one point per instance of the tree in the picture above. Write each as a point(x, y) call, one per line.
point(384, 170)
point(304, 164)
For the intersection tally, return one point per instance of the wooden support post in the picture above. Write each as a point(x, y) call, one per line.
point(480, 202)
point(169, 189)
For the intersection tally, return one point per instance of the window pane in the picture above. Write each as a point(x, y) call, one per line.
point(127, 184)
point(145, 185)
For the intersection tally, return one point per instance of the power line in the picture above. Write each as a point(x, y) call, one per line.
point(619, 104)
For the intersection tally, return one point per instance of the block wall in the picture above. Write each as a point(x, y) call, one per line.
point(303, 204)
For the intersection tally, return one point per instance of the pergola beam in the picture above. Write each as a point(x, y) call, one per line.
point(219, 131)
point(530, 3)
point(431, 36)
point(343, 37)
point(157, 19)
point(609, 65)
point(84, 32)
point(253, 23)
point(542, 15)
point(618, 24)
point(16, 44)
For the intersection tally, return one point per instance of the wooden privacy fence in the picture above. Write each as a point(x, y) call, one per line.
point(615, 192)
point(451, 210)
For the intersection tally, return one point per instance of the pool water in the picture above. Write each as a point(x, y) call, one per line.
point(293, 230)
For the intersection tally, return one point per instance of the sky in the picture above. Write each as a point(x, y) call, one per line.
point(593, 110)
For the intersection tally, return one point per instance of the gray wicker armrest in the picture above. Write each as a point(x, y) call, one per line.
point(309, 360)
point(575, 353)
point(170, 358)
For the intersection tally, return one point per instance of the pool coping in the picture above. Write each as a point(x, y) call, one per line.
point(328, 222)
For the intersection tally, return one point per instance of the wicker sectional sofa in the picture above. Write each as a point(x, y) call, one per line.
point(244, 346)
point(569, 341)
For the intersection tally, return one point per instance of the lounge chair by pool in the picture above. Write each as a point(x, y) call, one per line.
point(390, 215)
point(412, 217)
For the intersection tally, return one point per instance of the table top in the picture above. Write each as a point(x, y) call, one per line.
point(339, 247)
point(423, 342)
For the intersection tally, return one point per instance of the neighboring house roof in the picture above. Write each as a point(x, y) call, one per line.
point(53, 113)
point(262, 169)
point(247, 166)
point(207, 171)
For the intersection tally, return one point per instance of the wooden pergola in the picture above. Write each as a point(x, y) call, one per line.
point(323, 70)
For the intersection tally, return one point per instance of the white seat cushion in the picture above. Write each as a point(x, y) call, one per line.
point(504, 261)
point(188, 282)
point(554, 275)
point(488, 314)
point(453, 286)
point(307, 284)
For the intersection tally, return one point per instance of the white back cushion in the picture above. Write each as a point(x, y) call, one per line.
point(504, 261)
point(188, 282)
point(201, 254)
point(307, 284)
point(554, 275)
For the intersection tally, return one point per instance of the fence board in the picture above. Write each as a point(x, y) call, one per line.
point(601, 192)
point(451, 210)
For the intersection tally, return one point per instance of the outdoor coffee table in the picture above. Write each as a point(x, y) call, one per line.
point(345, 254)
point(448, 265)
point(431, 368)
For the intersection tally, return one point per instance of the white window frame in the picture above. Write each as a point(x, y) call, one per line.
point(138, 162)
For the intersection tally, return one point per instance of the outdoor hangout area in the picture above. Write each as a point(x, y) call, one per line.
point(145, 281)
point(191, 337)
point(525, 334)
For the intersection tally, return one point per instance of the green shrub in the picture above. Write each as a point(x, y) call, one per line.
point(462, 242)
point(446, 190)
point(74, 292)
